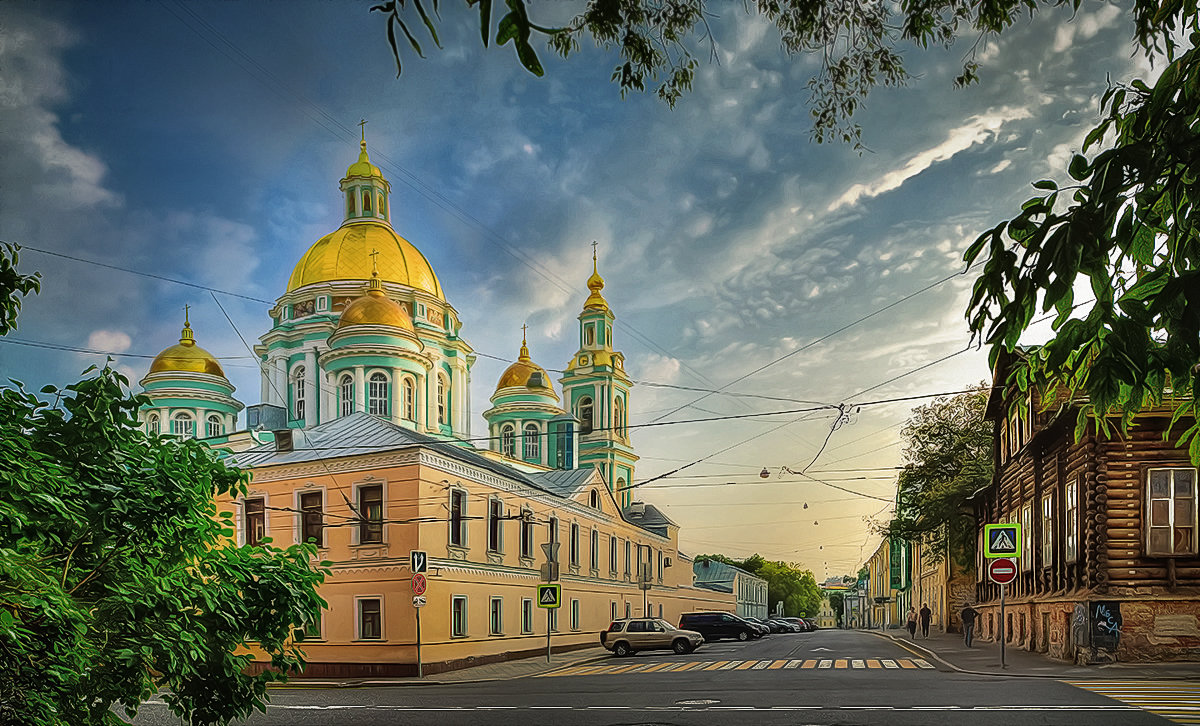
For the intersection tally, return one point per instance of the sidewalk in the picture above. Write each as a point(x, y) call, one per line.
point(478, 674)
point(983, 658)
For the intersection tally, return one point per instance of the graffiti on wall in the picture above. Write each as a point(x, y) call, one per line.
point(1106, 624)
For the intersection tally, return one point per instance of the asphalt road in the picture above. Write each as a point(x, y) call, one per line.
point(827, 677)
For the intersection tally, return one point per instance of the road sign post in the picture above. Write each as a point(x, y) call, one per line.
point(549, 597)
point(1002, 571)
point(1002, 633)
point(418, 564)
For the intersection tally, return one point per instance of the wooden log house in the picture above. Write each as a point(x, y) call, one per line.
point(1110, 568)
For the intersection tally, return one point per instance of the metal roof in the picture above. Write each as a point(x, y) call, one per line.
point(714, 572)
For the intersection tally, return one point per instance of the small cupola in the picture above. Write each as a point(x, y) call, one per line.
point(366, 191)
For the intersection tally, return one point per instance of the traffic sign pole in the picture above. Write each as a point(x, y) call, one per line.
point(1002, 634)
point(420, 669)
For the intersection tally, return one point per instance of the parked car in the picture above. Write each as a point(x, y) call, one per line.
point(764, 627)
point(626, 637)
point(717, 625)
point(784, 626)
point(800, 623)
point(812, 623)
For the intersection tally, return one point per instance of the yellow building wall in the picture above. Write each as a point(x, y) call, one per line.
point(417, 487)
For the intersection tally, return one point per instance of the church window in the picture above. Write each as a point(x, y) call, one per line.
point(322, 303)
point(298, 393)
point(152, 424)
point(382, 206)
point(441, 399)
point(215, 427)
point(619, 417)
point(346, 389)
point(409, 391)
point(584, 414)
point(378, 393)
point(532, 442)
point(366, 197)
point(350, 203)
point(183, 425)
point(508, 440)
point(589, 335)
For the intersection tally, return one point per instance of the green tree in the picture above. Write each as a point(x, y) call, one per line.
point(948, 454)
point(117, 576)
point(786, 583)
point(837, 604)
point(1128, 226)
point(857, 44)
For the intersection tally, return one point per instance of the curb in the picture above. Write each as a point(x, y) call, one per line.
point(313, 685)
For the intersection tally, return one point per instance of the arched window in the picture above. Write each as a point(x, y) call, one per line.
point(346, 389)
point(508, 440)
point(152, 424)
point(619, 417)
point(409, 400)
point(589, 335)
point(215, 427)
point(378, 393)
point(382, 206)
point(441, 400)
point(350, 203)
point(584, 414)
point(298, 393)
point(532, 442)
point(595, 499)
point(183, 425)
point(366, 201)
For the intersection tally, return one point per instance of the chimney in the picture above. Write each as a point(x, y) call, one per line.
point(283, 440)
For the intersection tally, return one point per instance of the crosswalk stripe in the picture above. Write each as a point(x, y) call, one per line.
point(1172, 700)
point(856, 663)
point(825, 663)
point(839, 663)
point(777, 665)
point(745, 665)
point(887, 663)
point(906, 663)
point(793, 663)
point(872, 663)
point(656, 667)
point(922, 663)
point(730, 665)
point(716, 665)
point(761, 665)
point(809, 664)
point(693, 664)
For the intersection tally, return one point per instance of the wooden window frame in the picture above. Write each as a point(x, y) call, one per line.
point(456, 531)
point(1172, 509)
point(459, 629)
point(370, 526)
point(312, 519)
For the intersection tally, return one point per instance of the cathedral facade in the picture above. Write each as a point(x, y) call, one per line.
point(361, 446)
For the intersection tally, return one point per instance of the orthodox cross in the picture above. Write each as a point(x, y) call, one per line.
point(523, 328)
point(593, 249)
point(362, 125)
point(186, 308)
point(374, 261)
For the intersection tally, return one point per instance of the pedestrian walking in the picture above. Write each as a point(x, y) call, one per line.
point(926, 614)
point(968, 616)
point(912, 622)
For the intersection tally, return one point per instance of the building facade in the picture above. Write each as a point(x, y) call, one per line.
point(749, 589)
point(359, 446)
point(1109, 568)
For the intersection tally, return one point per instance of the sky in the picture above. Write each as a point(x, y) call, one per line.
point(202, 142)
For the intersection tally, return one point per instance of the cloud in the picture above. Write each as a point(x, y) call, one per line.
point(113, 341)
point(1084, 27)
point(977, 130)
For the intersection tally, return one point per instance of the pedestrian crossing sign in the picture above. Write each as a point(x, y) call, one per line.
point(549, 596)
point(1001, 540)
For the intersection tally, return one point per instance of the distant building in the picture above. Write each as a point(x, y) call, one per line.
point(750, 589)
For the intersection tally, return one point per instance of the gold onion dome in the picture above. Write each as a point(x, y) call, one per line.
point(363, 167)
point(520, 373)
point(595, 283)
point(375, 308)
point(186, 357)
point(345, 255)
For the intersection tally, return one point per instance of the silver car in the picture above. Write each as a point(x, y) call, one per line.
point(626, 637)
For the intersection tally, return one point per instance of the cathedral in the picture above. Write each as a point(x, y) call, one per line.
point(364, 326)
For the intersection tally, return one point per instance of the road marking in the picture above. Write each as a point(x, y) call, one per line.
point(793, 663)
point(839, 663)
point(693, 664)
point(639, 669)
point(1174, 700)
point(777, 665)
point(825, 663)
point(809, 664)
point(922, 663)
point(906, 663)
point(730, 665)
point(887, 663)
point(856, 663)
point(761, 665)
point(745, 665)
point(657, 667)
point(716, 666)
point(872, 663)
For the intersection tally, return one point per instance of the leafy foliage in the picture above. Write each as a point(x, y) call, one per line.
point(858, 43)
point(116, 572)
point(837, 602)
point(1130, 227)
point(948, 450)
point(12, 284)
point(796, 588)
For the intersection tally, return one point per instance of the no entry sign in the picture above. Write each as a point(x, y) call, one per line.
point(418, 584)
point(1002, 571)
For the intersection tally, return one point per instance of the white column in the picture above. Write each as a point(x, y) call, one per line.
point(264, 375)
point(466, 397)
point(280, 382)
point(328, 398)
point(200, 422)
point(311, 406)
point(360, 394)
point(397, 396)
point(431, 399)
point(458, 396)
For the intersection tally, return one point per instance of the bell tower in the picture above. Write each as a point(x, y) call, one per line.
point(596, 391)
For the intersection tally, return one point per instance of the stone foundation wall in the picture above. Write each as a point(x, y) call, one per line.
point(1160, 630)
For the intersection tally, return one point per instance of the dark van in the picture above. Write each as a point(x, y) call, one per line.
point(714, 626)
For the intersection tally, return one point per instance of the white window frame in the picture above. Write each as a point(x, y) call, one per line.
point(1071, 519)
point(587, 423)
point(208, 425)
point(454, 601)
point(296, 379)
point(379, 405)
point(508, 440)
point(408, 388)
point(442, 394)
point(531, 441)
point(526, 530)
point(1047, 530)
point(1026, 517)
point(357, 531)
point(345, 391)
point(189, 431)
point(297, 496)
point(153, 424)
point(496, 616)
point(574, 614)
point(1172, 512)
point(322, 303)
point(358, 632)
point(496, 518)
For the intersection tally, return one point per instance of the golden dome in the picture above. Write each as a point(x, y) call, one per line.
point(363, 167)
point(595, 283)
point(345, 254)
point(519, 373)
point(186, 357)
point(375, 308)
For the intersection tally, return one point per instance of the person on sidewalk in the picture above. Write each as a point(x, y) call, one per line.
point(926, 614)
point(912, 622)
point(968, 616)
